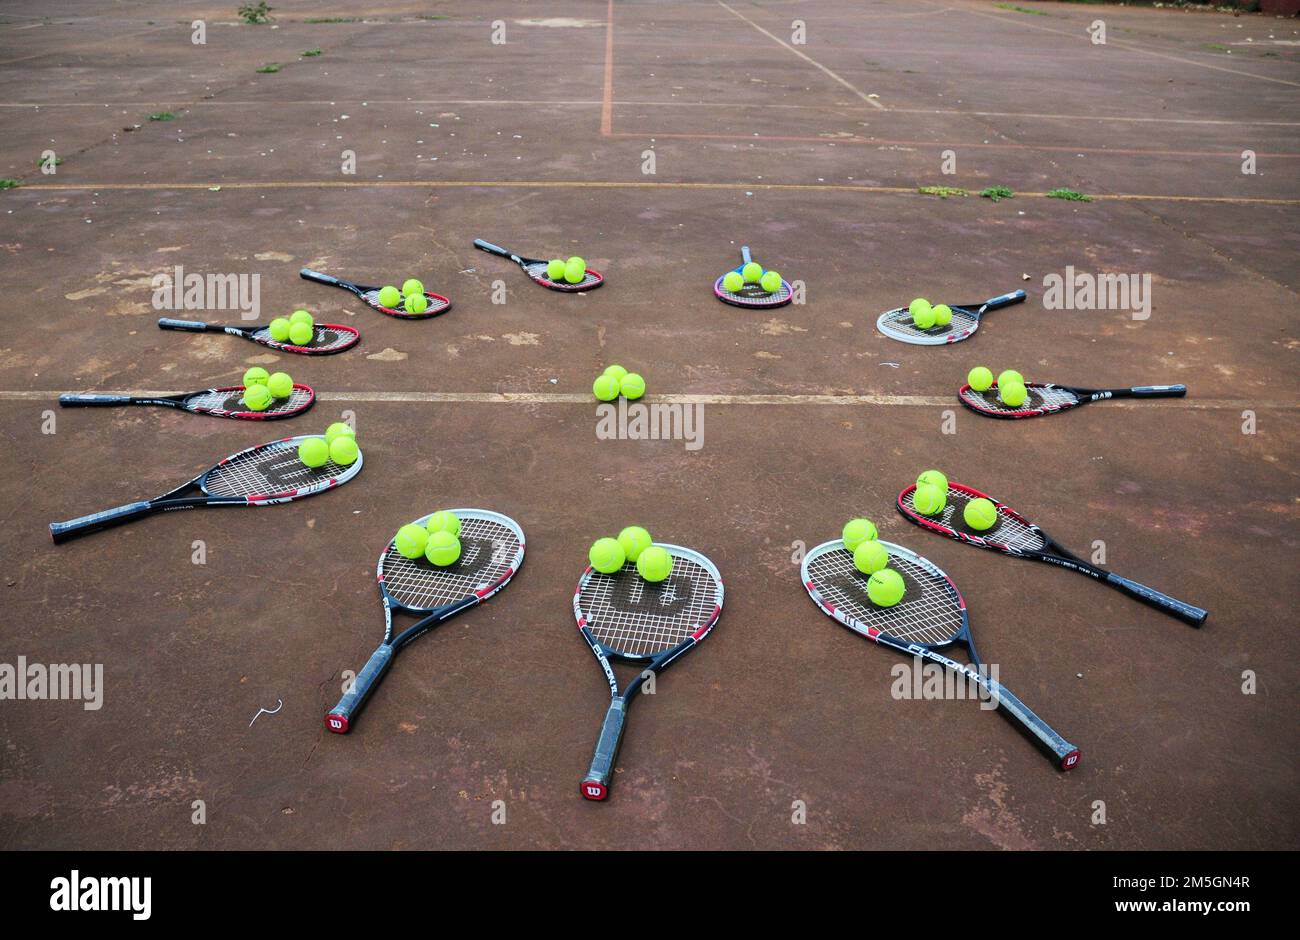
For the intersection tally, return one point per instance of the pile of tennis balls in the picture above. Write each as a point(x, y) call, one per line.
point(339, 444)
point(566, 272)
point(931, 498)
point(885, 587)
point(437, 541)
point(1010, 385)
point(615, 381)
point(635, 545)
point(926, 317)
point(410, 298)
point(298, 328)
point(751, 273)
point(261, 388)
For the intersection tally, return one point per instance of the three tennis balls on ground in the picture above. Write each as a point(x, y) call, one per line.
point(633, 544)
point(410, 298)
point(615, 381)
point(926, 317)
point(1012, 391)
point(751, 273)
point(261, 388)
point(437, 541)
point(298, 328)
point(566, 272)
point(338, 443)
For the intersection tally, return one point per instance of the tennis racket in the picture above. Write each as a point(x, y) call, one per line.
point(1049, 399)
point(330, 337)
point(1013, 534)
point(370, 296)
point(897, 324)
point(622, 616)
point(218, 402)
point(259, 476)
point(492, 549)
point(931, 615)
point(536, 269)
point(752, 295)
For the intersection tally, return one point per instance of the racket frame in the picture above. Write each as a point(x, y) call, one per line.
point(181, 402)
point(770, 299)
point(261, 334)
point(941, 336)
point(438, 304)
point(524, 262)
point(1082, 396)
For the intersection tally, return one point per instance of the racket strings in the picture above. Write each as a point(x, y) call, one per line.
point(233, 400)
point(323, 338)
point(629, 615)
point(1039, 397)
point(266, 470)
point(488, 550)
point(752, 295)
point(436, 303)
point(1009, 530)
point(537, 271)
point(899, 323)
point(929, 614)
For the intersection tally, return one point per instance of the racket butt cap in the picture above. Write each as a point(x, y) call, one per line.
point(1071, 760)
point(594, 789)
point(336, 723)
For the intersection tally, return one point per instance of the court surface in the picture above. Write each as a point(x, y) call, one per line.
point(812, 153)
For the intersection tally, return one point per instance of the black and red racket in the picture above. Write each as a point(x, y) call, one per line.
point(370, 296)
point(328, 338)
point(1013, 534)
point(536, 269)
point(218, 402)
point(752, 295)
point(931, 615)
point(1046, 399)
point(259, 476)
point(491, 551)
point(624, 617)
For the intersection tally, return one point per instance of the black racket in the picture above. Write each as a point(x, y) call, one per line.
point(897, 324)
point(752, 295)
point(1046, 399)
point(329, 337)
point(259, 476)
point(492, 549)
point(931, 615)
point(218, 402)
point(622, 616)
point(536, 269)
point(370, 296)
point(1013, 534)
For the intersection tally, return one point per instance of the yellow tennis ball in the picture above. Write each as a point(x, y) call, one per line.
point(255, 376)
point(634, 540)
point(980, 379)
point(442, 549)
point(885, 588)
point(752, 272)
point(390, 297)
point(632, 386)
point(337, 428)
point(770, 282)
point(942, 314)
point(870, 557)
point(280, 384)
point(857, 531)
point(300, 334)
point(574, 273)
point(917, 306)
point(444, 521)
point(344, 451)
point(655, 564)
point(257, 397)
point(929, 500)
point(1012, 394)
point(301, 316)
point(923, 319)
point(617, 371)
point(279, 329)
point(732, 281)
point(416, 303)
point(1010, 375)
point(555, 269)
point(606, 555)
point(314, 452)
point(605, 388)
point(934, 478)
point(412, 285)
point(980, 514)
point(411, 541)
point(576, 261)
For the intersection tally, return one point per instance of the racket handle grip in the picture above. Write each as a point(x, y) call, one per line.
point(74, 528)
point(1170, 605)
point(1066, 754)
point(1006, 300)
point(339, 719)
point(309, 275)
point(1158, 391)
point(595, 786)
point(72, 400)
point(193, 326)
point(489, 247)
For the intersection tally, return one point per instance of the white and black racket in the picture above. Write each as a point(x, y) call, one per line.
point(536, 269)
point(329, 337)
point(1013, 534)
point(370, 296)
point(752, 295)
point(1046, 399)
point(491, 551)
point(218, 402)
point(931, 616)
point(897, 324)
point(624, 617)
point(259, 476)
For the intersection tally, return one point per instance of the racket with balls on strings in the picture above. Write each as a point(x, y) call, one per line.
point(623, 617)
point(752, 295)
point(259, 476)
point(370, 296)
point(1013, 534)
point(535, 268)
point(491, 551)
point(218, 402)
point(897, 324)
point(1047, 399)
point(931, 616)
point(327, 338)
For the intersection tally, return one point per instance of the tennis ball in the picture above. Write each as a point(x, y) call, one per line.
point(301, 316)
point(280, 384)
point(343, 450)
point(885, 587)
point(574, 273)
point(1010, 375)
point(980, 514)
point(942, 314)
point(416, 303)
point(654, 564)
point(390, 297)
point(411, 541)
point(300, 334)
point(857, 531)
point(555, 269)
point(412, 285)
point(923, 318)
point(577, 261)
point(934, 478)
point(279, 329)
point(634, 540)
point(770, 282)
point(929, 500)
point(752, 272)
point(607, 555)
point(337, 428)
point(980, 379)
point(605, 388)
point(632, 386)
point(870, 557)
point(732, 281)
point(917, 306)
point(442, 549)
point(444, 521)
point(257, 397)
point(255, 376)
point(617, 371)
point(314, 452)
point(1012, 394)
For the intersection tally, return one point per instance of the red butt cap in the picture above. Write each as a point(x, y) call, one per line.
point(593, 790)
point(336, 723)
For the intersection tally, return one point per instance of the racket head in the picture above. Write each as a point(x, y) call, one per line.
point(272, 473)
point(1012, 534)
point(1042, 399)
point(897, 324)
point(932, 612)
point(229, 403)
point(328, 338)
point(437, 304)
point(634, 620)
point(753, 296)
point(536, 269)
